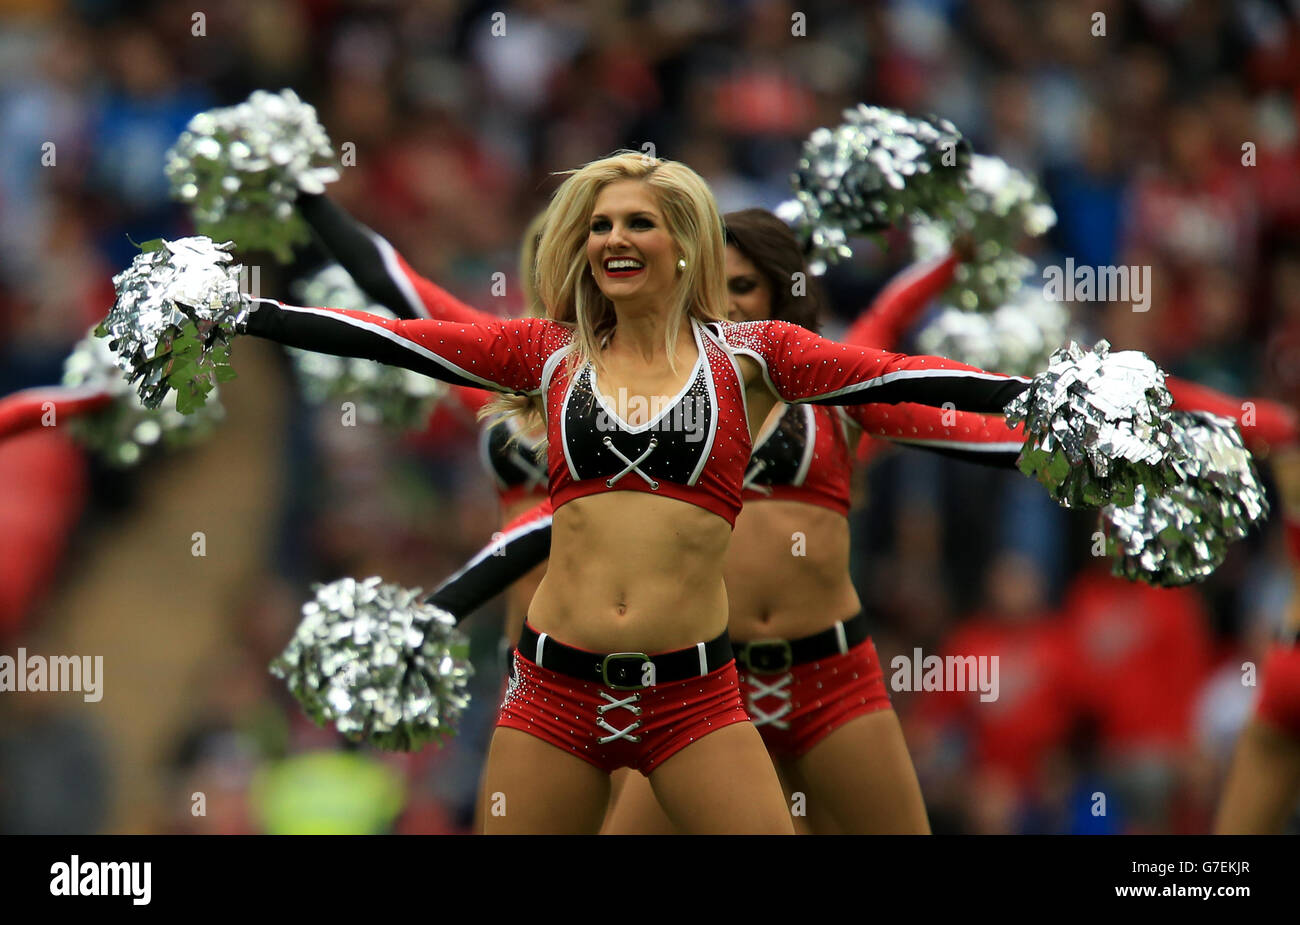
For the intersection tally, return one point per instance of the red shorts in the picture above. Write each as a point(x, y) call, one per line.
point(598, 724)
point(1279, 699)
point(796, 709)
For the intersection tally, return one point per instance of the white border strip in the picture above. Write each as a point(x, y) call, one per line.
point(541, 644)
point(810, 444)
point(964, 446)
point(394, 268)
point(395, 338)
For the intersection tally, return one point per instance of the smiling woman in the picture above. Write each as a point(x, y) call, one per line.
point(624, 660)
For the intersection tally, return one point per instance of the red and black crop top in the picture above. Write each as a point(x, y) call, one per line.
point(592, 450)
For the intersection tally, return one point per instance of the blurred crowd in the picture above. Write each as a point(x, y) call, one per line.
point(1166, 133)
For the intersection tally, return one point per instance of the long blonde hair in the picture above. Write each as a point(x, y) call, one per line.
point(566, 287)
point(528, 266)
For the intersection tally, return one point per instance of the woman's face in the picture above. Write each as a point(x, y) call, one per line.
point(748, 292)
point(632, 257)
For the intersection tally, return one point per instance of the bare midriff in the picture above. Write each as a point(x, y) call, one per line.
point(631, 571)
point(787, 571)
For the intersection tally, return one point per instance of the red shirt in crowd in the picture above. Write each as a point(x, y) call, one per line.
point(1138, 656)
point(1031, 715)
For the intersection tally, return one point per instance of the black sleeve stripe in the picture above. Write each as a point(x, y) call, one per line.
point(998, 455)
point(369, 259)
point(963, 389)
point(344, 335)
point(493, 569)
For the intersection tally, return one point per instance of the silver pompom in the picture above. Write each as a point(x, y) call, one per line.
point(383, 394)
point(1183, 535)
point(121, 431)
point(866, 174)
point(240, 168)
point(176, 309)
point(1001, 207)
point(1017, 339)
point(380, 664)
point(1097, 426)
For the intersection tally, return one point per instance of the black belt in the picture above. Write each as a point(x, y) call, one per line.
point(625, 671)
point(770, 656)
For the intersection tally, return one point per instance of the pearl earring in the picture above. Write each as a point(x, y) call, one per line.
point(681, 264)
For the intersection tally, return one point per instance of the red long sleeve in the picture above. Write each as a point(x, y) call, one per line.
point(803, 367)
point(26, 410)
point(502, 355)
point(895, 309)
point(471, 399)
point(37, 519)
point(1264, 424)
point(376, 266)
point(521, 546)
point(440, 304)
point(922, 425)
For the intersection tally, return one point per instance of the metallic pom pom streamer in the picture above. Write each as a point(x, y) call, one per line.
point(383, 394)
point(1001, 206)
point(868, 173)
point(175, 314)
point(121, 431)
point(1183, 535)
point(240, 168)
point(380, 664)
point(1097, 425)
point(1017, 339)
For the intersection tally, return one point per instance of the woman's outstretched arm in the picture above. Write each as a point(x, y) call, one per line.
point(378, 268)
point(522, 545)
point(800, 366)
point(979, 438)
point(32, 408)
point(1264, 424)
point(499, 354)
point(894, 310)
